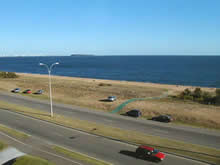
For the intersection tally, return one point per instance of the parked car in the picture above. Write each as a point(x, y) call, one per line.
point(16, 90)
point(134, 113)
point(28, 91)
point(146, 152)
point(111, 98)
point(163, 118)
point(39, 92)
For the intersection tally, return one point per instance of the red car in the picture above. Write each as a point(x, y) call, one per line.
point(146, 152)
point(28, 91)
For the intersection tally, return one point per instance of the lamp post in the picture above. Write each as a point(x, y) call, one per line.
point(49, 71)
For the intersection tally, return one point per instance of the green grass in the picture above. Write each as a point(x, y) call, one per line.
point(31, 160)
point(3, 146)
point(79, 156)
point(198, 152)
point(13, 132)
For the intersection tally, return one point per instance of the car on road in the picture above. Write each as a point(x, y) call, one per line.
point(134, 113)
point(111, 98)
point(16, 90)
point(28, 91)
point(163, 118)
point(146, 152)
point(39, 92)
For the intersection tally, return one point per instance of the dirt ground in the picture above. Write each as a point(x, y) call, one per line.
point(90, 93)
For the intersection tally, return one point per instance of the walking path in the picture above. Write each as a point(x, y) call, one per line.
point(120, 107)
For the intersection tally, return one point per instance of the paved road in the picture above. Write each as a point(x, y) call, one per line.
point(101, 148)
point(187, 134)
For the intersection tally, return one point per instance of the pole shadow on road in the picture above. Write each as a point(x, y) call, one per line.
point(33, 113)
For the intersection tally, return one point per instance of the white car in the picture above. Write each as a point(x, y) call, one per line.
point(16, 90)
point(111, 98)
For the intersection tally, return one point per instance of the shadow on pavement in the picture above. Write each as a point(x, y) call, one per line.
point(33, 113)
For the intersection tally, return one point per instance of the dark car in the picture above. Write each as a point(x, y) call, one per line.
point(28, 91)
point(39, 92)
point(146, 152)
point(163, 118)
point(16, 90)
point(134, 113)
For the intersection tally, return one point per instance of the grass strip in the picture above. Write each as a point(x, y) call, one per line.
point(3, 146)
point(31, 160)
point(13, 132)
point(79, 156)
point(197, 152)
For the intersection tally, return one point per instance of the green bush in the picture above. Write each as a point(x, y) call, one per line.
point(217, 99)
point(187, 97)
point(8, 75)
point(199, 96)
point(197, 93)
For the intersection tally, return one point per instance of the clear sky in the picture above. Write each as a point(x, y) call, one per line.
point(109, 27)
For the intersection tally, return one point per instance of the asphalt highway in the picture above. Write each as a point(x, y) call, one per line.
point(183, 133)
point(99, 147)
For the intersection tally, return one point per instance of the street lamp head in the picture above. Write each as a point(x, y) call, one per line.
point(41, 63)
point(57, 63)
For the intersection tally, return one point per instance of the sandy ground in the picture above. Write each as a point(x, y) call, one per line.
point(90, 93)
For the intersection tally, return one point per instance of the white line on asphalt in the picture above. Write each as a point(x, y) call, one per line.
point(39, 149)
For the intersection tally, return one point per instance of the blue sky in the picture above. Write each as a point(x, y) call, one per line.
point(109, 27)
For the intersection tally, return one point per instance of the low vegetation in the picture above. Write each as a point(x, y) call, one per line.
point(13, 132)
point(2, 146)
point(31, 160)
point(8, 75)
point(177, 147)
point(201, 96)
point(78, 156)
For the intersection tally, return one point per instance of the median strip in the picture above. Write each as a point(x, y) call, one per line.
point(13, 132)
point(197, 152)
point(79, 156)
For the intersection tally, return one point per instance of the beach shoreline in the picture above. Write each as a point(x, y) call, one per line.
point(124, 82)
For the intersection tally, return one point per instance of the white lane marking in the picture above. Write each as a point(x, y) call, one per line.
point(39, 149)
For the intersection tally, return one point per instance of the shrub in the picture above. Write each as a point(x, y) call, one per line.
point(197, 93)
point(104, 84)
point(8, 75)
point(187, 97)
point(217, 99)
point(208, 98)
point(186, 92)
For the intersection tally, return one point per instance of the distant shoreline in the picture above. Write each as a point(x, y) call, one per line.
point(124, 82)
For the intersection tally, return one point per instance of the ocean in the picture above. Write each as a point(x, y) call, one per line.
point(178, 70)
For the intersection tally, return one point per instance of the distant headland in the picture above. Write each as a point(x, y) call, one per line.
point(82, 55)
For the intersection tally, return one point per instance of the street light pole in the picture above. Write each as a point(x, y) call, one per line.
point(49, 72)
